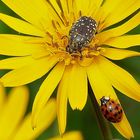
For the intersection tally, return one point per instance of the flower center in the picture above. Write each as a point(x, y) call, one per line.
point(76, 42)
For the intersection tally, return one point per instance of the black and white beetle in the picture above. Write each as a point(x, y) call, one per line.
point(81, 34)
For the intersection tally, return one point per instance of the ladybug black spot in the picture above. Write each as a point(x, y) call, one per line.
point(112, 102)
point(120, 111)
point(115, 115)
point(116, 107)
point(110, 110)
point(106, 112)
point(119, 118)
point(111, 118)
point(102, 109)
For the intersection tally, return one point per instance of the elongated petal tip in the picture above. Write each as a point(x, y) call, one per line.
point(80, 108)
point(124, 128)
point(49, 111)
point(33, 123)
point(62, 131)
point(77, 96)
point(77, 107)
point(33, 127)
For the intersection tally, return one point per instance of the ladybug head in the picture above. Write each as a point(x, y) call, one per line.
point(104, 100)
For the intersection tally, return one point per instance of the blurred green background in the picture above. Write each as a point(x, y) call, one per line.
point(85, 120)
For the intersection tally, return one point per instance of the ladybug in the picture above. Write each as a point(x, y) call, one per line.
point(81, 34)
point(111, 110)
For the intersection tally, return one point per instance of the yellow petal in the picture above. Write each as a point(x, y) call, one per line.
point(46, 91)
point(37, 12)
point(102, 87)
point(13, 111)
point(77, 79)
point(94, 7)
point(120, 79)
point(62, 101)
point(53, 12)
point(56, 6)
point(29, 72)
point(15, 62)
point(104, 11)
point(21, 26)
point(98, 3)
point(73, 135)
point(124, 41)
point(15, 45)
point(47, 116)
point(124, 128)
point(118, 54)
point(64, 5)
point(88, 7)
point(2, 96)
point(70, 6)
point(82, 5)
point(123, 10)
point(120, 30)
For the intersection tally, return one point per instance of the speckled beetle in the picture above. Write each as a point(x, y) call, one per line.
point(81, 34)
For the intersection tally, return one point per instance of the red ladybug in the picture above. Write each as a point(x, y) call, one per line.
point(111, 110)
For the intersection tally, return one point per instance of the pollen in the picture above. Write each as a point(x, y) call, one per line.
point(74, 41)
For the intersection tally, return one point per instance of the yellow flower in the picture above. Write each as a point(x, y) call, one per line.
point(46, 25)
point(73, 135)
point(12, 110)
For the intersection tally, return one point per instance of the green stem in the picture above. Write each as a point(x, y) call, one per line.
point(102, 123)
